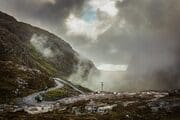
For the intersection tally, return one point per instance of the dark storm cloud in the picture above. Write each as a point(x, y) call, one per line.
point(149, 42)
point(160, 14)
point(47, 12)
point(59, 11)
point(151, 39)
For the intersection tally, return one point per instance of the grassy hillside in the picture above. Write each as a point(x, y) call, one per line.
point(22, 62)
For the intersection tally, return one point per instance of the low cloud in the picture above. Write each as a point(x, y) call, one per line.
point(41, 45)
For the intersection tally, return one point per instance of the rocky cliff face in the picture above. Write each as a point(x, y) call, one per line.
point(29, 56)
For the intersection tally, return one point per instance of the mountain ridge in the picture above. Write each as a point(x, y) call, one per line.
point(32, 55)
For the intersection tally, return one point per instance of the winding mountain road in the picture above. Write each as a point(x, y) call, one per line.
point(30, 100)
point(69, 84)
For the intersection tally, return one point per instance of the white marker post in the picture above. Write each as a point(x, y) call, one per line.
point(102, 85)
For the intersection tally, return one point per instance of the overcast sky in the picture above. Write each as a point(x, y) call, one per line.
point(143, 34)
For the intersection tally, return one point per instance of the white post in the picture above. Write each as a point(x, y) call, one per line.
point(102, 85)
